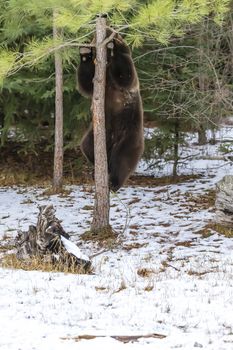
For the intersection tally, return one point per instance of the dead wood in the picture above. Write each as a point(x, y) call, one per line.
point(49, 241)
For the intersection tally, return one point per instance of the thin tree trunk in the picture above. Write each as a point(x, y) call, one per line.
point(58, 151)
point(101, 207)
point(202, 138)
point(176, 149)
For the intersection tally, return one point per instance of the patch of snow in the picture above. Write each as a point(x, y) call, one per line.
point(195, 159)
point(185, 292)
point(73, 249)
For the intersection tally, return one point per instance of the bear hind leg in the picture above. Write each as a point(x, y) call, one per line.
point(122, 163)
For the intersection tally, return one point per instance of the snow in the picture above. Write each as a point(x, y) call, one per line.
point(73, 249)
point(187, 294)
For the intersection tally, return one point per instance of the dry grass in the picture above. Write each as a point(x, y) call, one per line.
point(145, 272)
point(63, 193)
point(204, 201)
point(101, 289)
point(200, 273)
point(6, 248)
point(39, 264)
point(207, 231)
point(164, 180)
point(27, 170)
point(134, 245)
point(105, 235)
point(149, 287)
point(184, 244)
point(88, 207)
point(11, 177)
point(121, 338)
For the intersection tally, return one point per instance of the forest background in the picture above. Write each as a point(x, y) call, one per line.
point(184, 67)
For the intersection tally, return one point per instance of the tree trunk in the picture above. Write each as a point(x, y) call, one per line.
point(202, 138)
point(58, 150)
point(101, 207)
point(202, 77)
point(176, 149)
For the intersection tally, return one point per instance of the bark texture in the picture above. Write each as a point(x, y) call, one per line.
point(49, 241)
point(101, 207)
point(224, 201)
point(58, 150)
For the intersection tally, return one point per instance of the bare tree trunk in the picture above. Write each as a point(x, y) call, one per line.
point(58, 151)
point(101, 207)
point(202, 138)
point(176, 149)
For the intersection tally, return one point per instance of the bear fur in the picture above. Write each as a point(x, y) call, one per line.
point(123, 109)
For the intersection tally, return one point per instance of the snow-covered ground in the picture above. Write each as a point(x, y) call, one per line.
point(163, 277)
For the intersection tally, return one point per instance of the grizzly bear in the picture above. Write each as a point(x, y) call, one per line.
point(123, 109)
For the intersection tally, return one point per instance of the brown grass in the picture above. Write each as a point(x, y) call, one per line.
point(204, 201)
point(106, 234)
point(18, 167)
point(38, 264)
point(6, 248)
point(134, 245)
point(149, 287)
point(198, 273)
point(184, 244)
point(121, 338)
point(207, 231)
point(145, 272)
point(63, 193)
point(165, 180)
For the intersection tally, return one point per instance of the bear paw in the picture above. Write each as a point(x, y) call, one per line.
point(85, 50)
point(85, 53)
point(110, 45)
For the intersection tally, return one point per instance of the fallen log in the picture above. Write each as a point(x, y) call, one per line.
point(48, 241)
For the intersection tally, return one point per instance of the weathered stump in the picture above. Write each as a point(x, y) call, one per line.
point(49, 241)
point(224, 201)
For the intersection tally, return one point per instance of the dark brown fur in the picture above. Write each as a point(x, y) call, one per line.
point(123, 110)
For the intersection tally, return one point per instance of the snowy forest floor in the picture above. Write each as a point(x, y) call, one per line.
point(168, 275)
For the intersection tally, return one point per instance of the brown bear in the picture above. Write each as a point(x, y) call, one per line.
point(123, 109)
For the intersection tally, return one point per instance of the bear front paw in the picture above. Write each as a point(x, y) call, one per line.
point(110, 45)
point(85, 50)
point(85, 53)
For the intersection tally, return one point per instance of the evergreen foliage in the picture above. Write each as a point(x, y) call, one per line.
point(170, 60)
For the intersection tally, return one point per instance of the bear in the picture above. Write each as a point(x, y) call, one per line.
point(123, 109)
